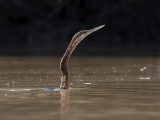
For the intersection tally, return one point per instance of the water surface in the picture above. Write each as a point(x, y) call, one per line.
point(101, 89)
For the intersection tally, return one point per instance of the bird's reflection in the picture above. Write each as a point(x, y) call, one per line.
point(65, 111)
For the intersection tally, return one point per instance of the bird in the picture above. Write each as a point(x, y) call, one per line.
point(76, 39)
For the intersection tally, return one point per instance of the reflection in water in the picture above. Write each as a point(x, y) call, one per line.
point(65, 112)
point(101, 89)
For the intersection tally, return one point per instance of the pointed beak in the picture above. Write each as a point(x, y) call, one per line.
point(94, 29)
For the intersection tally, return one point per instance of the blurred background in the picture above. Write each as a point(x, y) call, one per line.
point(45, 27)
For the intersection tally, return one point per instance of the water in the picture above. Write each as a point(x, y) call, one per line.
point(100, 89)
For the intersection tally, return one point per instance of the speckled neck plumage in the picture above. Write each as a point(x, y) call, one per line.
point(77, 38)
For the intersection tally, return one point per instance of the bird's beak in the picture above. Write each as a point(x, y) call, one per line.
point(94, 29)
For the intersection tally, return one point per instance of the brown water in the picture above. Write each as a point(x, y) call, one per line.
point(101, 89)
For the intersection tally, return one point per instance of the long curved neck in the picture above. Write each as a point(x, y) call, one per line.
point(77, 38)
point(64, 63)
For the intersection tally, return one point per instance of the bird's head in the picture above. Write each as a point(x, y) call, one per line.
point(84, 33)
